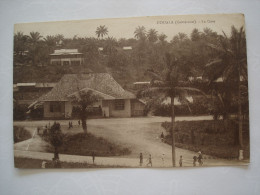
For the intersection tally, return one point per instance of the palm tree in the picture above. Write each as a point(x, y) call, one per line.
point(85, 99)
point(140, 32)
point(179, 38)
point(59, 39)
point(110, 44)
point(34, 40)
point(101, 31)
point(90, 49)
point(195, 34)
point(152, 35)
point(162, 37)
point(169, 84)
point(50, 41)
point(20, 43)
point(231, 65)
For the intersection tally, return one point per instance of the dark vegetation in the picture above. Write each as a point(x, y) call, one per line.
point(209, 137)
point(32, 60)
point(83, 144)
point(21, 134)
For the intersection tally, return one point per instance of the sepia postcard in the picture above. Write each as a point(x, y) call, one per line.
point(157, 91)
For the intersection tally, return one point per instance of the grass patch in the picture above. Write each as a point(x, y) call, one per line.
point(21, 134)
point(84, 144)
point(214, 138)
point(28, 163)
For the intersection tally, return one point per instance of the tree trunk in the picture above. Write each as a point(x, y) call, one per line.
point(240, 120)
point(56, 153)
point(84, 125)
point(84, 119)
point(172, 130)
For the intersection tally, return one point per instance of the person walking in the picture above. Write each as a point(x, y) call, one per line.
point(180, 161)
point(200, 158)
point(150, 160)
point(141, 159)
point(162, 137)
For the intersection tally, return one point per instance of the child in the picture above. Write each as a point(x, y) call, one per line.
point(180, 161)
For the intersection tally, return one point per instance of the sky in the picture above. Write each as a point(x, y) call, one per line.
point(125, 27)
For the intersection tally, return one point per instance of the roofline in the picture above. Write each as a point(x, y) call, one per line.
point(112, 98)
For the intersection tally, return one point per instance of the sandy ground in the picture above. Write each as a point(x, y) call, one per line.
point(137, 134)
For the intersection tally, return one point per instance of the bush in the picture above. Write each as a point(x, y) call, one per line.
point(85, 144)
point(21, 134)
point(210, 137)
point(19, 112)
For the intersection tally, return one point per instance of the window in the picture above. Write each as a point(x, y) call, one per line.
point(66, 62)
point(119, 104)
point(76, 62)
point(55, 107)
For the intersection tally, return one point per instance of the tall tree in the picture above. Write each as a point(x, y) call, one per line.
point(162, 37)
point(140, 32)
point(110, 45)
point(152, 35)
point(195, 34)
point(59, 39)
point(50, 41)
point(171, 83)
point(101, 31)
point(20, 45)
point(230, 64)
point(55, 138)
point(34, 39)
point(85, 99)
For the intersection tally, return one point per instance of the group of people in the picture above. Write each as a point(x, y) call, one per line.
point(149, 160)
point(70, 125)
point(198, 159)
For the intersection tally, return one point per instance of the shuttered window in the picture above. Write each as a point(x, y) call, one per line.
point(119, 104)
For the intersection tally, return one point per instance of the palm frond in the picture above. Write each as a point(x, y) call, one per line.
point(153, 91)
point(189, 89)
point(154, 75)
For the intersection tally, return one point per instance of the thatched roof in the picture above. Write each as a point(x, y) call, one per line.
point(101, 83)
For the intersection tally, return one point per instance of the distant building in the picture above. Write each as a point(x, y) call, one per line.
point(141, 84)
point(114, 100)
point(127, 48)
point(66, 57)
point(27, 93)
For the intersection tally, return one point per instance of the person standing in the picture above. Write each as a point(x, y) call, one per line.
point(163, 159)
point(141, 159)
point(150, 160)
point(180, 161)
point(44, 164)
point(194, 160)
point(162, 137)
point(200, 158)
point(79, 122)
point(93, 157)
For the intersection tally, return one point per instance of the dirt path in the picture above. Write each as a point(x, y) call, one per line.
point(138, 134)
